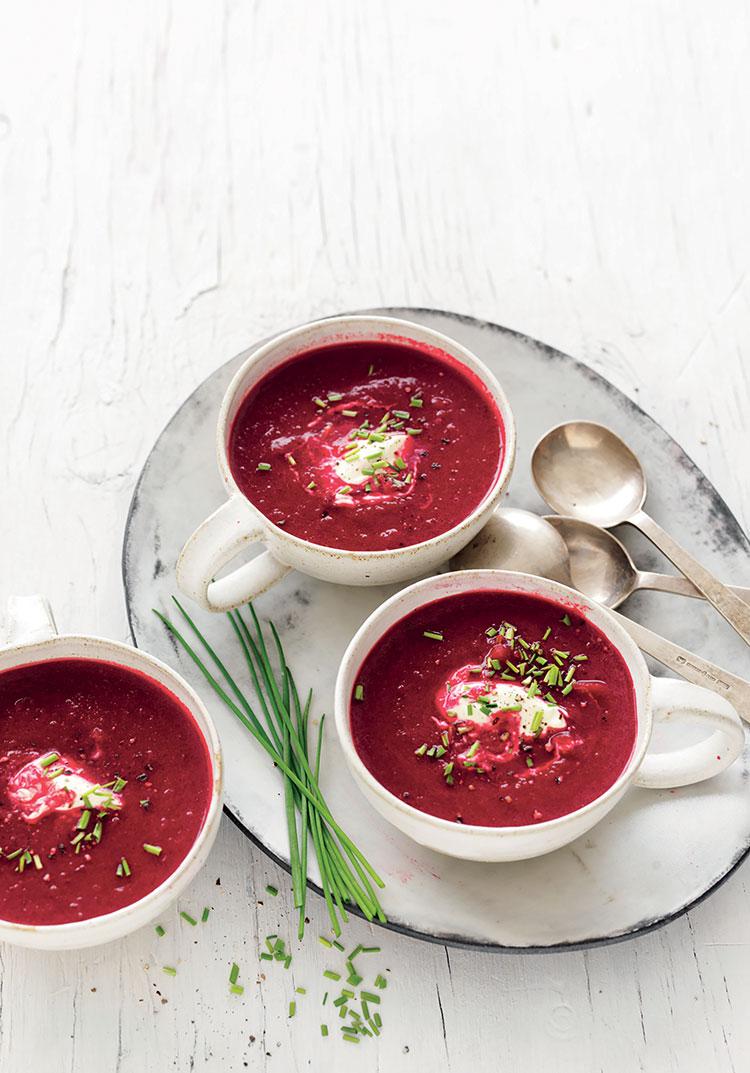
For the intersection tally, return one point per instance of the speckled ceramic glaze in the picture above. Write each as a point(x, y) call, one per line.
point(653, 856)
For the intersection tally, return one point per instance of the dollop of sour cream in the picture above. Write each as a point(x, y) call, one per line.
point(479, 702)
point(54, 783)
point(354, 467)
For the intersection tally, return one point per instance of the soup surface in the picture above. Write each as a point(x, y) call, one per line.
point(367, 445)
point(494, 708)
point(105, 782)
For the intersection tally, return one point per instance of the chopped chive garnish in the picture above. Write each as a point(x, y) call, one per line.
point(47, 760)
point(319, 402)
point(565, 620)
point(234, 973)
point(97, 831)
point(331, 975)
point(263, 466)
point(300, 990)
point(546, 633)
point(536, 722)
point(580, 657)
point(380, 981)
point(292, 1008)
point(12, 856)
point(416, 403)
point(324, 1030)
point(291, 460)
point(125, 867)
point(191, 920)
point(169, 970)
point(529, 761)
point(338, 945)
point(359, 692)
point(344, 490)
point(325, 999)
point(204, 914)
point(335, 396)
point(349, 1038)
point(154, 850)
point(325, 942)
point(236, 989)
point(491, 632)
point(270, 889)
point(83, 821)
point(567, 689)
point(414, 431)
point(266, 957)
point(311, 485)
point(377, 1019)
point(433, 635)
point(472, 751)
point(369, 950)
point(368, 996)
point(159, 930)
point(349, 413)
point(38, 862)
point(354, 979)
point(119, 784)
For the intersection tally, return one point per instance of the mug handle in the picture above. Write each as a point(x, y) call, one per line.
point(693, 763)
point(214, 543)
point(29, 619)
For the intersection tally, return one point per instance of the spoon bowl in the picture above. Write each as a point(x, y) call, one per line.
point(600, 566)
point(517, 540)
point(586, 471)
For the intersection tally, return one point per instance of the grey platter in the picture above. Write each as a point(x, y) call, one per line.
point(658, 853)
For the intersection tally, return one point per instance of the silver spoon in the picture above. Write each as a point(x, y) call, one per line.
point(601, 566)
point(543, 556)
point(585, 470)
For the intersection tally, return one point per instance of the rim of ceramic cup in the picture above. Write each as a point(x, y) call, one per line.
point(371, 632)
point(42, 651)
point(403, 331)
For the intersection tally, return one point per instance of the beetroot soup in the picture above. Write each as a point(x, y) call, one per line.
point(105, 782)
point(367, 445)
point(494, 708)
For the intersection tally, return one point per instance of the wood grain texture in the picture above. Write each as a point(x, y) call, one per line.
point(180, 179)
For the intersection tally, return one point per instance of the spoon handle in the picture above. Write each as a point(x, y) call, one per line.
point(694, 668)
point(680, 586)
point(727, 603)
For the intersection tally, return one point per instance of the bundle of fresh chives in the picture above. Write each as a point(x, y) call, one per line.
point(346, 875)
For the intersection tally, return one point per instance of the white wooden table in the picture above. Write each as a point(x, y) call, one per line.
point(180, 179)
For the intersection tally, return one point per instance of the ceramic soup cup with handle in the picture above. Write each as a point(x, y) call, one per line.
point(657, 700)
point(238, 523)
point(32, 638)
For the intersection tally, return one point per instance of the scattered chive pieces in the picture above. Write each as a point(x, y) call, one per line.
point(359, 692)
point(49, 760)
point(491, 632)
point(324, 1030)
point(300, 990)
point(567, 689)
point(331, 975)
point(153, 850)
point(369, 950)
point(325, 999)
point(433, 635)
point(159, 930)
point(378, 1020)
point(204, 914)
point(580, 658)
point(380, 981)
point(338, 945)
point(368, 996)
point(335, 396)
point(38, 862)
point(236, 989)
point(325, 942)
point(354, 979)
point(349, 1038)
point(311, 485)
point(319, 402)
point(119, 784)
point(266, 957)
point(234, 973)
point(529, 761)
point(273, 891)
point(546, 633)
point(416, 403)
point(292, 1008)
point(263, 466)
point(191, 920)
point(344, 490)
point(12, 856)
point(83, 821)
point(565, 620)
point(291, 460)
point(125, 867)
point(169, 970)
point(287, 961)
point(536, 722)
point(349, 413)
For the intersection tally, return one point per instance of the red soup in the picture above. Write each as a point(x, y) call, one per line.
point(105, 782)
point(494, 708)
point(367, 445)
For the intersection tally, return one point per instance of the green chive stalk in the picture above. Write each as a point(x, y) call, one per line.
point(280, 724)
